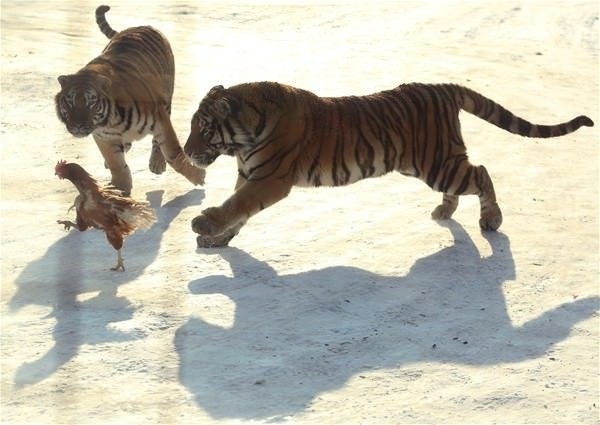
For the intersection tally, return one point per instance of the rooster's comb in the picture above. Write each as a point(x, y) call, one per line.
point(60, 165)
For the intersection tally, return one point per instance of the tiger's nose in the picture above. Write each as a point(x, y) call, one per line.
point(80, 101)
point(80, 130)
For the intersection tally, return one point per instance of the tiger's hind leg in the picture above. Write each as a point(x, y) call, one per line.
point(445, 210)
point(491, 216)
point(462, 178)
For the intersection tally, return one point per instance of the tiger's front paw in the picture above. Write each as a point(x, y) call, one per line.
point(196, 175)
point(206, 223)
point(157, 163)
point(122, 182)
point(203, 226)
point(205, 241)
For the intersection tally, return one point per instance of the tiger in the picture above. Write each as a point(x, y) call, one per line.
point(123, 95)
point(284, 136)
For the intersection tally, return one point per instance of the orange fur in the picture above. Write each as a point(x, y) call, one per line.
point(284, 136)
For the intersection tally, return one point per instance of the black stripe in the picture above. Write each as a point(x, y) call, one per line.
point(424, 124)
point(260, 126)
point(487, 107)
point(524, 127)
point(260, 147)
point(229, 129)
point(398, 105)
point(338, 142)
point(450, 172)
point(384, 136)
point(121, 113)
point(143, 127)
point(129, 119)
point(440, 137)
point(137, 111)
point(106, 106)
point(544, 130)
point(422, 121)
point(313, 167)
point(277, 158)
point(334, 162)
point(562, 129)
point(345, 170)
point(411, 133)
point(413, 122)
point(363, 151)
point(465, 182)
point(505, 118)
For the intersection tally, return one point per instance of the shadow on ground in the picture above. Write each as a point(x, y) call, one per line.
point(297, 336)
point(79, 264)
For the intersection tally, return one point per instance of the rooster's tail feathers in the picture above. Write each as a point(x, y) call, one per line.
point(143, 216)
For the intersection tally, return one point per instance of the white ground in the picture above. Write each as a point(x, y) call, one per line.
point(345, 305)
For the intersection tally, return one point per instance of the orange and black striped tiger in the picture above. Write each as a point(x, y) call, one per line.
point(123, 95)
point(283, 137)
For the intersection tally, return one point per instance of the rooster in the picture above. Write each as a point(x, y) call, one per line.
point(104, 208)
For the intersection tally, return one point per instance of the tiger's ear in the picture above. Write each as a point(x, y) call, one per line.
point(104, 83)
point(215, 90)
point(224, 107)
point(63, 80)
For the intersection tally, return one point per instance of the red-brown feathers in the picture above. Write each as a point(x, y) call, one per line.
point(104, 208)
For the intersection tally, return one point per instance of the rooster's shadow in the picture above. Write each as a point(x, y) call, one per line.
point(79, 264)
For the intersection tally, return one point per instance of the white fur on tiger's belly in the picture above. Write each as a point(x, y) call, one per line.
point(347, 176)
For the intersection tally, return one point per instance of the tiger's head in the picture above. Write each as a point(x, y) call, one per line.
point(83, 102)
point(217, 128)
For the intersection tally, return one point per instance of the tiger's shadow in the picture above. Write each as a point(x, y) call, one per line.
point(297, 336)
point(79, 264)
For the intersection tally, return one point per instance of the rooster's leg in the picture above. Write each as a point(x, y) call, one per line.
point(68, 224)
point(119, 262)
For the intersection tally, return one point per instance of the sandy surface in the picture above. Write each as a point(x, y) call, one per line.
point(345, 305)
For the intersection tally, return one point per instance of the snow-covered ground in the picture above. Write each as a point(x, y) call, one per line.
point(346, 305)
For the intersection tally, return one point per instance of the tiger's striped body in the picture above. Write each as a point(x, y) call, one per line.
point(283, 136)
point(123, 95)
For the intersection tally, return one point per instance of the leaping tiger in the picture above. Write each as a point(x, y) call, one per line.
point(284, 136)
point(123, 95)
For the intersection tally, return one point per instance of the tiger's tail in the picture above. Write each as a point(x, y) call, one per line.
point(101, 21)
point(494, 113)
